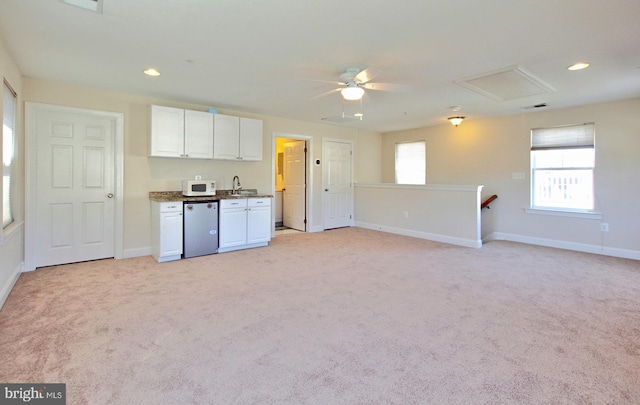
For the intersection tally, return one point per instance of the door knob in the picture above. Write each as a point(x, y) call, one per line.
point(110, 195)
point(326, 189)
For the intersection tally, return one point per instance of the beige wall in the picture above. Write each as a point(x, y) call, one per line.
point(12, 238)
point(488, 151)
point(443, 213)
point(144, 174)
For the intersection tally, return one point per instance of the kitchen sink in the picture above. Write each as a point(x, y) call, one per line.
point(247, 192)
point(240, 193)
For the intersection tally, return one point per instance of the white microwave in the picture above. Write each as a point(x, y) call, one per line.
point(195, 188)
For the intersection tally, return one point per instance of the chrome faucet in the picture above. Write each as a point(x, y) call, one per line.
point(235, 188)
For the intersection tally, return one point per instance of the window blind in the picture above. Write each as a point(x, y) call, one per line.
point(8, 144)
point(411, 163)
point(567, 137)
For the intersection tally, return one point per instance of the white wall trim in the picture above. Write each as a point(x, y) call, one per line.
point(441, 187)
point(11, 281)
point(10, 232)
point(561, 213)
point(137, 252)
point(31, 184)
point(309, 169)
point(422, 235)
point(560, 244)
point(352, 177)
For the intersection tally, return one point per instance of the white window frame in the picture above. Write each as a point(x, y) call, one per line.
point(417, 166)
point(8, 148)
point(560, 139)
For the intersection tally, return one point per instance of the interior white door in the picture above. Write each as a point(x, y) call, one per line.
point(294, 179)
point(336, 181)
point(75, 183)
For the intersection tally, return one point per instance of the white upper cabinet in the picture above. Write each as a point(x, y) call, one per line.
point(198, 134)
point(181, 133)
point(167, 132)
point(237, 138)
point(250, 139)
point(226, 137)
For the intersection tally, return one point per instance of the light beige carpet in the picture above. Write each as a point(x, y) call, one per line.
point(349, 316)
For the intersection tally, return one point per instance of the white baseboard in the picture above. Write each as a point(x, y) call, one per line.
point(129, 253)
point(422, 235)
point(8, 285)
point(560, 244)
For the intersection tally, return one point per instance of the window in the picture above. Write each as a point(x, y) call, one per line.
point(8, 144)
point(411, 163)
point(562, 163)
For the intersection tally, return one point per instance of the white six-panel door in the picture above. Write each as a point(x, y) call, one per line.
point(337, 187)
point(293, 213)
point(74, 218)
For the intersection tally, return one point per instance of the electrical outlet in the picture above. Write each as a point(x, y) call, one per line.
point(406, 214)
point(604, 227)
point(518, 175)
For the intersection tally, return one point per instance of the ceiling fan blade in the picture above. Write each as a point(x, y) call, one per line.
point(326, 81)
point(386, 87)
point(342, 118)
point(326, 93)
point(366, 75)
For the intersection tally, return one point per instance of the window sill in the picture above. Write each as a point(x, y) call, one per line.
point(10, 231)
point(564, 213)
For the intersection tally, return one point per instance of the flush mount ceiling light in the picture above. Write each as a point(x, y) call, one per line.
point(579, 66)
point(455, 120)
point(352, 92)
point(151, 72)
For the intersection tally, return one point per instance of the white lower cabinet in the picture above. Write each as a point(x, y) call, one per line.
point(244, 223)
point(166, 230)
point(233, 223)
point(259, 220)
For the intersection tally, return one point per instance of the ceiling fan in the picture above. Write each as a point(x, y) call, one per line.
point(354, 81)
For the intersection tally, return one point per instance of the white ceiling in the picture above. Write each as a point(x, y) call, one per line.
point(270, 56)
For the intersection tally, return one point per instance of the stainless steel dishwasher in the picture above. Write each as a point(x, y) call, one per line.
point(200, 228)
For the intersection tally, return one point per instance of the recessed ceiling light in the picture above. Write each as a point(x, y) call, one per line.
point(151, 72)
point(578, 66)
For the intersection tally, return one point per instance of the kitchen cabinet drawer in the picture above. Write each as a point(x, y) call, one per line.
point(170, 206)
point(233, 203)
point(259, 202)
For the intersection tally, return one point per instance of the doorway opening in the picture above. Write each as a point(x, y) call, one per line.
point(290, 183)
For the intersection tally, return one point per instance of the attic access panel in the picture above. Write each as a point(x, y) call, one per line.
point(91, 5)
point(506, 84)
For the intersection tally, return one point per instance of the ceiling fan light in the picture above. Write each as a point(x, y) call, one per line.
point(352, 93)
point(579, 66)
point(455, 120)
point(151, 72)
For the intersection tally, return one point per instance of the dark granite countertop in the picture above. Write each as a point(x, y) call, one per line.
point(167, 196)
